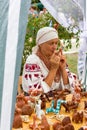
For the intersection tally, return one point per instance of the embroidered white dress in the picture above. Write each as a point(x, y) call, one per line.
point(34, 73)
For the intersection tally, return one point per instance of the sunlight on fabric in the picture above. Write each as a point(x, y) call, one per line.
point(66, 12)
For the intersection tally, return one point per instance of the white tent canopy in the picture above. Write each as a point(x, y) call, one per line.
point(13, 22)
point(66, 12)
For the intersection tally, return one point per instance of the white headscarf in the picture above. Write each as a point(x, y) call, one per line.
point(43, 35)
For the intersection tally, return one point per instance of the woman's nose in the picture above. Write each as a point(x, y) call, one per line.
point(54, 46)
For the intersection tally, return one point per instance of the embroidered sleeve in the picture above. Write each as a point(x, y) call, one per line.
point(32, 77)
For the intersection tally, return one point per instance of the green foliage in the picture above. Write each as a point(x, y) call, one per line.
point(35, 1)
point(34, 24)
point(72, 62)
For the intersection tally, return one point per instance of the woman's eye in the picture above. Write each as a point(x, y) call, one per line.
point(52, 43)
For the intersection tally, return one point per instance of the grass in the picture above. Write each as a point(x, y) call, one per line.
point(72, 62)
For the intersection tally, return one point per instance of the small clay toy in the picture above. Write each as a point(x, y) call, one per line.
point(44, 100)
point(44, 123)
point(58, 106)
point(27, 110)
point(77, 116)
point(56, 125)
point(45, 96)
point(69, 127)
point(43, 104)
point(17, 121)
point(21, 101)
point(38, 110)
point(76, 94)
point(69, 105)
point(60, 94)
point(66, 120)
point(59, 126)
point(34, 126)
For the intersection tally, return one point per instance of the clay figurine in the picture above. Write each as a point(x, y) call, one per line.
point(27, 110)
point(77, 116)
point(59, 126)
point(76, 94)
point(34, 126)
point(44, 123)
point(66, 120)
point(58, 106)
point(56, 125)
point(38, 110)
point(20, 101)
point(17, 121)
point(69, 127)
point(70, 105)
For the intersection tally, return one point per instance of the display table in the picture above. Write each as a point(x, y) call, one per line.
point(51, 116)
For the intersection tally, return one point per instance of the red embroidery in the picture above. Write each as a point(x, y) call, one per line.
point(39, 86)
point(36, 75)
point(30, 86)
point(32, 67)
point(30, 76)
point(42, 76)
point(75, 77)
point(35, 85)
point(26, 76)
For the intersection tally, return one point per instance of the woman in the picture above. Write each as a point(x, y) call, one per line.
point(45, 69)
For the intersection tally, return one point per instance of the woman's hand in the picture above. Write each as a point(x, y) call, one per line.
point(62, 64)
point(55, 60)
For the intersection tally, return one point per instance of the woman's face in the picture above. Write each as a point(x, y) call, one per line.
point(49, 47)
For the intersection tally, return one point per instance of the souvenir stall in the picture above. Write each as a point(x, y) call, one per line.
point(57, 110)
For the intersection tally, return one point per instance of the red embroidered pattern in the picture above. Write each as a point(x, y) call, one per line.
point(32, 67)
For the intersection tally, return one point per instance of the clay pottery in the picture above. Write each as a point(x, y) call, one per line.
point(44, 123)
point(20, 101)
point(27, 110)
point(17, 121)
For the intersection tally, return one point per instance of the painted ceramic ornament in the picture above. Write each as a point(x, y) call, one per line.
point(38, 110)
point(58, 106)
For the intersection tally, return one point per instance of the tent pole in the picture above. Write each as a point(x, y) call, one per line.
point(85, 37)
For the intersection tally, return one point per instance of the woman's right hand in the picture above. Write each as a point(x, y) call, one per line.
point(55, 60)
